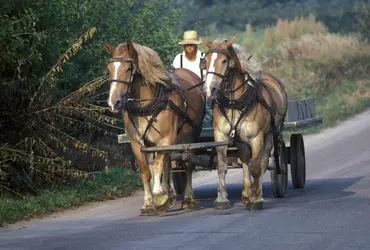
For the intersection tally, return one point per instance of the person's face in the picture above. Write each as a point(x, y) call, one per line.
point(190, 48)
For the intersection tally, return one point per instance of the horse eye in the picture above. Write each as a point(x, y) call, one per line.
point(129, 68)
point(224, 61)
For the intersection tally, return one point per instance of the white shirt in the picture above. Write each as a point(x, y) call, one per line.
point(190, 65)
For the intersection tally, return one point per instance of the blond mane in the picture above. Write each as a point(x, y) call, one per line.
point(250, 66)
point(150, 65)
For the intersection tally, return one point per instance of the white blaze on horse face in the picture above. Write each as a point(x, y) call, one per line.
point(209, 78)
point(114, 84)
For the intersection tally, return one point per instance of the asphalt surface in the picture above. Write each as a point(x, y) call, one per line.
point(332, 212)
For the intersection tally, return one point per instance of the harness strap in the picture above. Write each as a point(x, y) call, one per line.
point(275, 134)
point(119, 81)
point(217, 74)
point(137, 131)
point(182, 113)
point(201, 70)
point(155, 113)
point(154, 116)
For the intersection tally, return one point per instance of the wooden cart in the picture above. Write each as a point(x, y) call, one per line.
point(300, 115)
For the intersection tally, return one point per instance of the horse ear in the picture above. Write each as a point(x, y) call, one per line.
point(206, 42)
point(229, 43)
point(109, 48)
point(132, 50)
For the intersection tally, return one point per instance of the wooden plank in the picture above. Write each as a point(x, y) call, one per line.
point(288, 126)
point(208, 132)
point(304, 124)
point(299, 110)
point(123, 138)
point(183, 147)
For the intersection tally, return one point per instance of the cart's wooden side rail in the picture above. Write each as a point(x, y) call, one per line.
point(303, 124)
point(184, 147)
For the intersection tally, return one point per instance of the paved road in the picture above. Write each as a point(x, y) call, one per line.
point(332, 212)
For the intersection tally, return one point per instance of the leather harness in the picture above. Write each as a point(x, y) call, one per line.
point(158, 103)
point(245, 103)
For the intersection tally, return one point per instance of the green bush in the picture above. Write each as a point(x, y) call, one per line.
point(48, 113)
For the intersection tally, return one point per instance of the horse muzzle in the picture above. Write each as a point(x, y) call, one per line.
point(116, 105)
point(211, 99)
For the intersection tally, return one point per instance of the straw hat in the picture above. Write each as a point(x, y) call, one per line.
point(190, 37)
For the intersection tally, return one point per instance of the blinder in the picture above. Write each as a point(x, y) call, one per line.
point(203, 64)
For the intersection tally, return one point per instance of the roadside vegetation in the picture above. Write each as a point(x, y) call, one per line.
point(57, 139)
point(117, 182)
point(312, 62)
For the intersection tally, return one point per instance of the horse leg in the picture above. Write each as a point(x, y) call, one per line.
point(166, 181)
point(222, 202)
point(189, 200)
point(259, 163)
point(245, 157)
point(145, 175)
point(160, 194)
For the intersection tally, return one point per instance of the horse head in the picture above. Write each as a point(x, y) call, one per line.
point(122, 68)
point(218, 61)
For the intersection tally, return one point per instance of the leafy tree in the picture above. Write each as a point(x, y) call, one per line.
point(47, 110)
point(362, 18)
point(223, 16)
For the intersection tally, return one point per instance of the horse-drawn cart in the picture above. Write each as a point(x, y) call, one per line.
point(301, 115)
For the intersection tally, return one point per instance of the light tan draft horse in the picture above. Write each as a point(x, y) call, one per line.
point(247, 108)
point(159, 111)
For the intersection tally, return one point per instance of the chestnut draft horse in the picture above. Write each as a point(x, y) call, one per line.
point(249, 109)
point(160, 109)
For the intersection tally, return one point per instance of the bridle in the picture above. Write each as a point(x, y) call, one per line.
point(203, 65)
point(223, 97)
point(134, 71)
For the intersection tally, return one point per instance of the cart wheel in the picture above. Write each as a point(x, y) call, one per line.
point(297, 161)
point(179, 182)
point(279, 182)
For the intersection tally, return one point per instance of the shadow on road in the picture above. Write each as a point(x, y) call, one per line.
point(316, 190)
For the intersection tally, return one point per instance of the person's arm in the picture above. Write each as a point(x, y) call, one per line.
point(176, 61)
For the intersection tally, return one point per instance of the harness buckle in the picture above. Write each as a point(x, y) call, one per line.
point(232, 134)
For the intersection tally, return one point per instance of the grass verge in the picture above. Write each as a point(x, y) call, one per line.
point(118, 182)
point(338, 104)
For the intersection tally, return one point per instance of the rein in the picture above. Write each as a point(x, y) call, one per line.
point(182, 91)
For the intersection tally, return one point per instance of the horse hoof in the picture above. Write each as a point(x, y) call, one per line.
point(147, 212)
point(189, 204)
point(253, 206)
point(172, 201)
point(221, 205)
point(161, 200)
point(245, 200)
point(161, 203)
point(162, 209)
